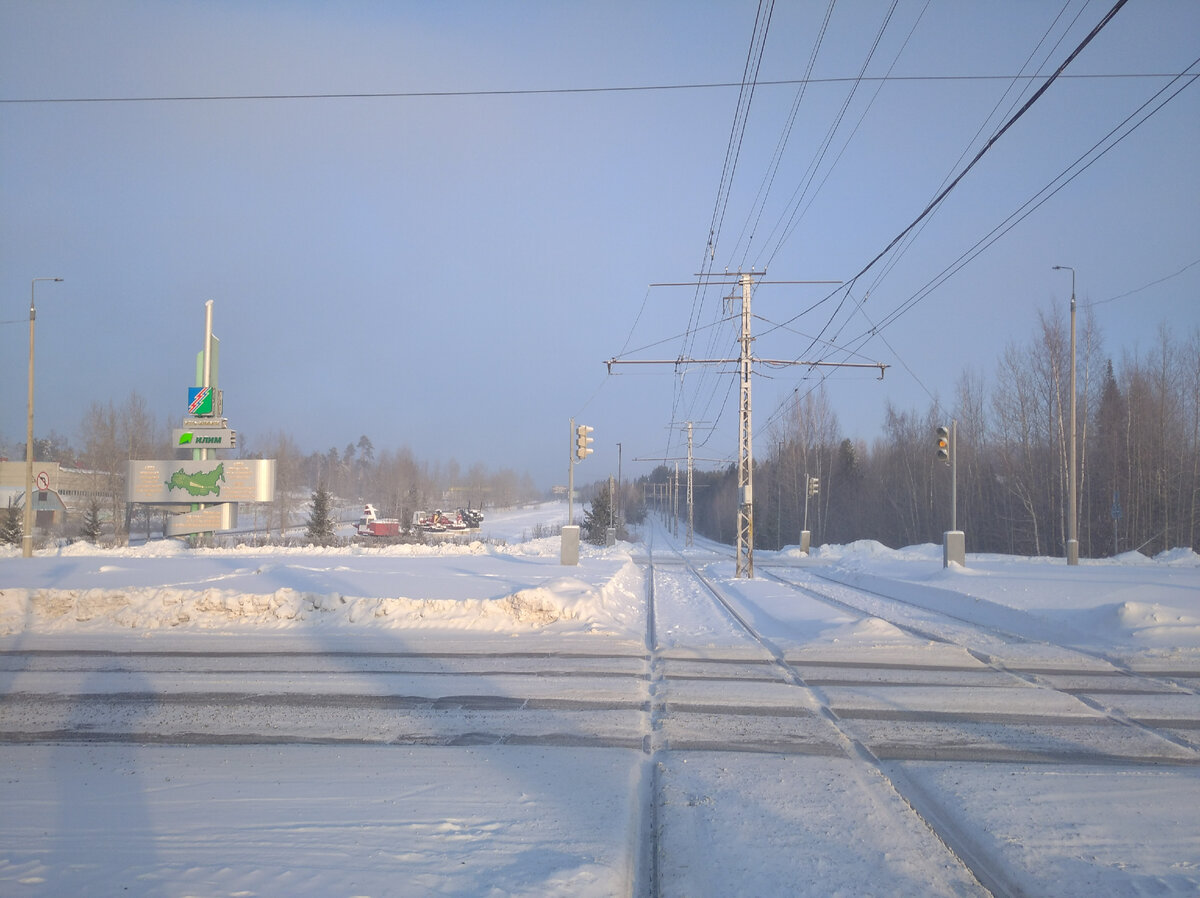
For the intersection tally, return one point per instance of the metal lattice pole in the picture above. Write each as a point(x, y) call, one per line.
point(745, 522)
point(689, 485)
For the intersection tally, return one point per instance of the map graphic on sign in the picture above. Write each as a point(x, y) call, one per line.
point(200, 400)
point(202, 483)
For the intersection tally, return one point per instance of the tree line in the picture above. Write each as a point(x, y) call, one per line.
point(1137, 445)
point(395, 481)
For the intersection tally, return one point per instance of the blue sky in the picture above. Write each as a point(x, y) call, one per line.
point(447, 268)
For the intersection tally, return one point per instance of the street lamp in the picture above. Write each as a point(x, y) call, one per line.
point(27, 536)
point(1073, 515)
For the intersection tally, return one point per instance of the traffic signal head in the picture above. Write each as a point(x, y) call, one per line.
point(814, 485)
point(582, 441)
point(943, 443)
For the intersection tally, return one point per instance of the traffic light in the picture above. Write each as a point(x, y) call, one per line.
point(943, 443)
point(814, 485)
point(582, 441)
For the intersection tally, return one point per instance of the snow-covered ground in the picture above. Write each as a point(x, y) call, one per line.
point(537, 819)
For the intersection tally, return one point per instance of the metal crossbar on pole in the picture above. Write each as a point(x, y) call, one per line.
point(745, 362)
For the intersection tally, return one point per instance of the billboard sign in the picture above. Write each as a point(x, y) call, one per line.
point(233, 480)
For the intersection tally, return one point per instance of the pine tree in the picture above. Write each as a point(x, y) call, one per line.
point(10, 526)
point(597, 516)
point(90, 526)
point(320, 520)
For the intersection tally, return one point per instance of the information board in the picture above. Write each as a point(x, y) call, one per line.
point(229, 480)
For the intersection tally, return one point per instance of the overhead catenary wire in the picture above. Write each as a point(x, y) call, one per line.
point(802, 189)
point(1037, 95)
point(876, 330)
point(1096, 152)
point(750, 71)
point(1027, 208)
point(942, 194)
point(1014, 82)
point(764, 190)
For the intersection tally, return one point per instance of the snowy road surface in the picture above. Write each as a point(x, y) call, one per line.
point(482, 721)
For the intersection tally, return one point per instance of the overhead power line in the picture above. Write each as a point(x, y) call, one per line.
point(1037, 95)
point(936, 201)
point(537, 91)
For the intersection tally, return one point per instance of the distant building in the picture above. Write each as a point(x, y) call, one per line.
point(59, 493)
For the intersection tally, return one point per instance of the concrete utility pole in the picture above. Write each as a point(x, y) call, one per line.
point(27, 534)
point(571, 474)
point(1073, 511)
point(618, 499)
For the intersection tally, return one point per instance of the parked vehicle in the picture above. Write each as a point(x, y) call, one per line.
point(371, 525)
point(439, 521)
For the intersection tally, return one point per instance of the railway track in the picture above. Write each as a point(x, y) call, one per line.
point(967, 705)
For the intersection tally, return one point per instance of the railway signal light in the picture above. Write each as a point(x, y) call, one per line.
point(943, 443)
point(582, 442)
point(814, 485)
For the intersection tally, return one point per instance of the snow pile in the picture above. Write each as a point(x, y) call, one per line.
point(610, 605)
point(1127, 604)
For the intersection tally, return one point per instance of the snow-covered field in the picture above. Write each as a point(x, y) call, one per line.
point(410, 818)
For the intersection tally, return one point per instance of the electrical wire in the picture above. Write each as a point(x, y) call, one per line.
point(814, 166)
point(764, 189)
point(937, 200)
point(902, 250)
point(1100, 302)
point(750, 72)
point(537, 91)
point(1049, 190)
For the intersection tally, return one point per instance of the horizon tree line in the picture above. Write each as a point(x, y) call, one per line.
point(1138, 450)
point(395, 481)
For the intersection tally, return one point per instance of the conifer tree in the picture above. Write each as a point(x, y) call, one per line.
point(320, 519)
point(10, 525)
point(597, 516)
point(90, 527)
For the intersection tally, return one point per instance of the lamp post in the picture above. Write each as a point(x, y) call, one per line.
point(618, 499)
point(27, 535)
point(1073, 514)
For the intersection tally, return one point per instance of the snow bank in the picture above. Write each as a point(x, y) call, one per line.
point(1128, 604)
point(608, 606)
point(500, 583)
